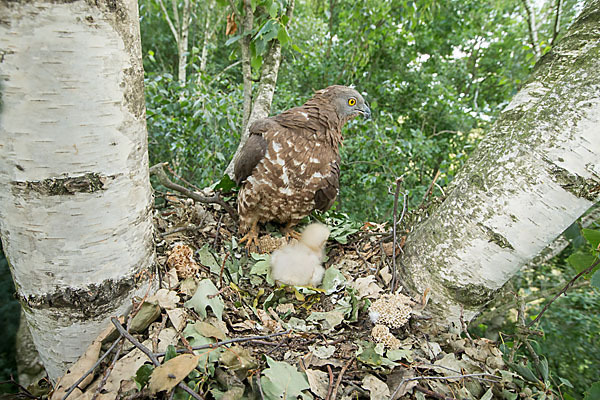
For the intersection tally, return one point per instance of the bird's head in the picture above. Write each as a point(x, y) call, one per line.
point(314, 236)
point(347, 101)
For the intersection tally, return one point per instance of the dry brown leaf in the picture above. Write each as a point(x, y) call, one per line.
point(209, 330)
point(165, 298)
point(367, 287)
point(171, 278)
point(318, 381)
point(231, 28)
point(378, 390)
point(169, 374)
point(188, 286)
point(178, 317)
point(237, 358)
point(83, 364)
point(147, 314)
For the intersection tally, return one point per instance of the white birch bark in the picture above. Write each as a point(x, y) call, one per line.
point(75, 197)
point(536, 172)
point(261, 105)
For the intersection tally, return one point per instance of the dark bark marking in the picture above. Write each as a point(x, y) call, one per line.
point(68, 185)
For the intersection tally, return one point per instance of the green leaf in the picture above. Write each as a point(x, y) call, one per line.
point(523, 371)
point(205, 296)
point(487, 395)
point(142, 375)
point(283, 36)
point(283, 381)
point(399, 354)
point(593, 393)
point(273, 9)
point(295, 47)
point(581, 260)
point(596, 280)
point(368, 354)
point(592, 236)
point(256, 62)
point(225, 185)
point(566, 382)
point(208, 259)
point(272, 34)
point(171, 352)
point(233, 39)
point(262, 267)
point(543, 368)
point(333, 280)
point(208, 357)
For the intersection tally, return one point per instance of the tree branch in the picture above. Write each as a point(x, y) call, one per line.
point(556, 27)
point(164, 179)
point(563, 290)
point(169, 22)
point(532, 27)
point(150, 355)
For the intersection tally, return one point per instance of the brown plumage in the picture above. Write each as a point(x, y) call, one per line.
point(289, 166)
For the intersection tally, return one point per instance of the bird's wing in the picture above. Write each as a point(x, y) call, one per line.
point(328, 190)
point(253, 150)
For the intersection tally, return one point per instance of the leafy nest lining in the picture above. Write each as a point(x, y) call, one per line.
point(220, 328)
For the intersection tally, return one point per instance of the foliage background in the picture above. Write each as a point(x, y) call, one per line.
point(436, 73)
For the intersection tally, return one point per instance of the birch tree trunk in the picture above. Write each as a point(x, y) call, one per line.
point(537, 171)
point(75, 197)
point(180, 28)
point(261, 105)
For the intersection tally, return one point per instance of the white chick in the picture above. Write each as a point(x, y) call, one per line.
point(300, 264)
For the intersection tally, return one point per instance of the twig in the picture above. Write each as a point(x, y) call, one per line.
point(431, 393)
point(150, 355)
point(109, 369)
point(364, 260)
point(159, 171)
point(463, 324)
point(89, 371)
point(435, 377)
point(162, 325)
point(444, 131)
point(222, 269)
point(330, 389)
point(394, 281)
point(23, 389)
point(224, 342)
point(430, 188)
point(134, 341)
point(563, 290)
point(180, 229)
point(121, 341)
point(181, 178)
point(223, 71)
point(218, 232)
point(259, 384)
point(339, 379)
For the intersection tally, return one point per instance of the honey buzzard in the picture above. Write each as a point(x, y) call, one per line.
point(290, 164)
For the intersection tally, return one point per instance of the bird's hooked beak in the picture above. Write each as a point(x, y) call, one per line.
point(365, 111)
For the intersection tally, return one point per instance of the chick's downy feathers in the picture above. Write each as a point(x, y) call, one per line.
point(300, 264)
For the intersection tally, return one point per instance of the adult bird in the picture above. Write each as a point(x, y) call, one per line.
point(290, 164)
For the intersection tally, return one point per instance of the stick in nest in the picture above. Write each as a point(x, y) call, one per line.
point(160, 173)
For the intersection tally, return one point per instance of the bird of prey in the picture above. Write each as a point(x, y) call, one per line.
point(290, 164)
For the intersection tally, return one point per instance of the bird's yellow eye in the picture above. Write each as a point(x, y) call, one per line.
point(351, 101)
